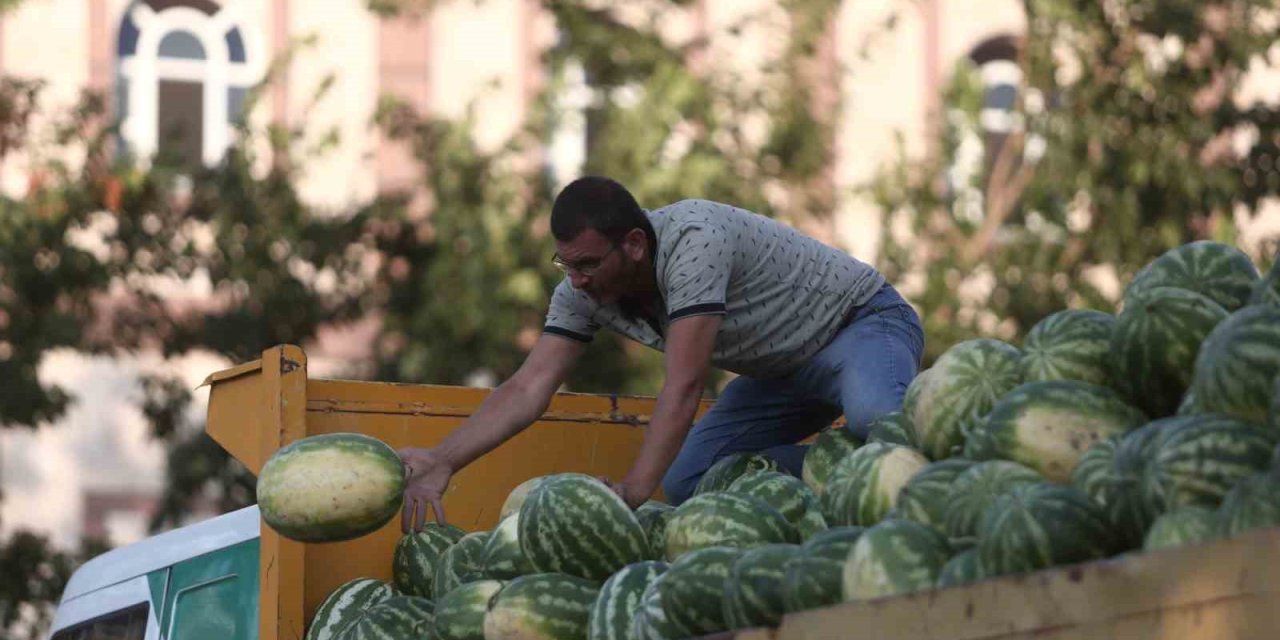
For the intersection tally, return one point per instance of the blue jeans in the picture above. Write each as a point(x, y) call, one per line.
point(863, 373)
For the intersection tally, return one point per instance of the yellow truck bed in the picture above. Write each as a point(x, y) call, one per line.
point(1223, 590)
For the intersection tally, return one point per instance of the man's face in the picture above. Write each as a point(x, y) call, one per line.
point(596, 266)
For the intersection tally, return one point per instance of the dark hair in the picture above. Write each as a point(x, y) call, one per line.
point(599, 203)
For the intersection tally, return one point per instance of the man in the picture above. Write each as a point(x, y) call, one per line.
point(811, 331)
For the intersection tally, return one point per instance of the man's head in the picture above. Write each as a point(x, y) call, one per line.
point(604, 241)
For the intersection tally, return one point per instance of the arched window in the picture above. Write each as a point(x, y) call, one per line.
point(184, 69)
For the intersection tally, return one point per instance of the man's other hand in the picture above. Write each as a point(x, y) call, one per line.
point(427, 475)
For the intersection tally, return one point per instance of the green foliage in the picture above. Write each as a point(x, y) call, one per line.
point(1124, 150)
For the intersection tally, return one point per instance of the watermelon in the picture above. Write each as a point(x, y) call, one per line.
point(503, 558)
point(926, 495)
point(962, 568)
point(950, 399)
point(692, 589)
point(1072, 344)
point(1267, 291)
point(754, 591)
point(1048, 426)
point(576, 525)
point(1220, 271)
point(1252, 504)
point(786, 493)
point(1188, 406)
point(893, 428)
point(974, 490)
point(830, 447)
point(613, 614)
point(460, 613)
point(725, 519)
point(518, 495)
point(1199, 458)
point(1036, 526)
point(813, 577)
point(1124, 500)
point(1180, 527)
point(1155, 342)
point(865, 486)
point(894, 557)
point(331, 487)
point(1093, 473)
point(651, 621)
point(461, 563)
point(417, 555)
point(653, 516)
point(541, 606)
point(341, 608)
point(1236, 369)
point(393, 618)
point(727, 469)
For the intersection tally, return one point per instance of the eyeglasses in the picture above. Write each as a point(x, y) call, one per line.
point(587, 267)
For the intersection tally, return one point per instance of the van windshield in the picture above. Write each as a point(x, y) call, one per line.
point(125, 624)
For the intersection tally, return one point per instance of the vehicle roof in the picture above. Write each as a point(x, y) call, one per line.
point(163, 550)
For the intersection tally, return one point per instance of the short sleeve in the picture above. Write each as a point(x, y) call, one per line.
point(697, 270)
point(569, 314)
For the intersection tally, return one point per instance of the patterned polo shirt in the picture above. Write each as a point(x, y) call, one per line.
point(783, 294)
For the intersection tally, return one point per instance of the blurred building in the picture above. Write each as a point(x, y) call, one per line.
point(178, 71)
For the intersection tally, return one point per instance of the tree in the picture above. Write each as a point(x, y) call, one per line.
point(1130, 114)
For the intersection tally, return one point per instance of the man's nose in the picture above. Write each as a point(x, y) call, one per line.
point(578, 280)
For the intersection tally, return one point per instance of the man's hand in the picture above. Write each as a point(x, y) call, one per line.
point(632, 495)
point(427, 475)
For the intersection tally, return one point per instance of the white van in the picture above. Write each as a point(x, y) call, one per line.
point(198, 582)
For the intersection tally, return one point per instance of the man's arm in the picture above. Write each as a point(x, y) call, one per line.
point(509, 409)
point(688, 356)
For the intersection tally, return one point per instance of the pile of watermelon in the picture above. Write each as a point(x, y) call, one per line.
point(1102, 434)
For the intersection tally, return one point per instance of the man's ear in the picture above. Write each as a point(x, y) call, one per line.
point(635, 243)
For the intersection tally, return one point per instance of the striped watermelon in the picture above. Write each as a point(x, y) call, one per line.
point(1155, 342)
point(962, 568)
point(1199, 458)
point(813, 577)
point(753, 592)
point(1093, 473)
point(975, 489)
point(894, 557)
point(1072, 344)
point(727, 469)
point(1049, 425)
point(503, 557)
point(461, 563)
point(1267, 291)
point(1188, 406)
point(865, 486)
point(692, 589)
point(1036, 526)
point(418, 554)
point(331, 487)
point(951, 398)
point(653, 516)
point(1238, 364)
point(893, 428)
point(541, 606)
point(576, 525)
point(651, 621)
point(925, 497)
point(460, 613)
point(1180, 527)
point(725, 519)
point(789, 495)
point(392, 619)
point(518, 495)
point(830, 447)
point(1220, 271)
point(613, 614)
point(1124, 500)
point(341, 608)
point(1252, 504)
